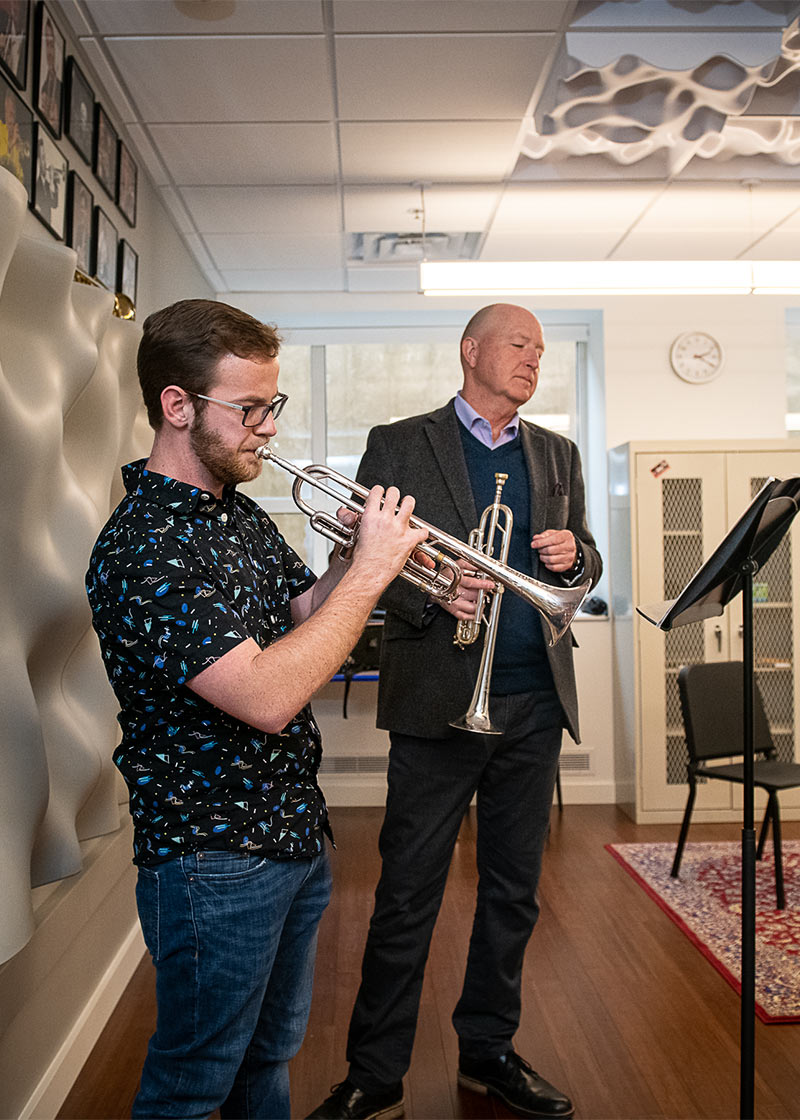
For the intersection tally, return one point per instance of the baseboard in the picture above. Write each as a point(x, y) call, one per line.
point(60, 1076)
point(346, 790)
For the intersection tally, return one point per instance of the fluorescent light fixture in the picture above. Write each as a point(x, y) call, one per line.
point(566, 278)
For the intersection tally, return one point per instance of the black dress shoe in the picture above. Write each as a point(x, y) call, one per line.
point(510, 1078)
point(346, 1102)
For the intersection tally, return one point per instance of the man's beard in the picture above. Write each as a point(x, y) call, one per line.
point(226, 465)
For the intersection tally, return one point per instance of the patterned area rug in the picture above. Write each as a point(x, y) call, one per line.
point(705, 902)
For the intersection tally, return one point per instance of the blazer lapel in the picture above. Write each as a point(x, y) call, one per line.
point(534, 448)
point(443, 436)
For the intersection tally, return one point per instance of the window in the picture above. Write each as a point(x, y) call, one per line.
point(339, 390)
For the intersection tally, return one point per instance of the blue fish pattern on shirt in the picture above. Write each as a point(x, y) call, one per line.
point(177, 579)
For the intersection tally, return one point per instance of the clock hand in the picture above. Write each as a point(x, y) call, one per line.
point(705, 357)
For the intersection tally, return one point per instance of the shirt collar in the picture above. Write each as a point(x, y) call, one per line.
point(480, 427)
point(181, 497)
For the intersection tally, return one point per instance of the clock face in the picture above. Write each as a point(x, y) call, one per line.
point(696, 357)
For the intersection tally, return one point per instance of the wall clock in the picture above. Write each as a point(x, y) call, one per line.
point(696, 357)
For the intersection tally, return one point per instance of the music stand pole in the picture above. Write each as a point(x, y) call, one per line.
point(748, 997)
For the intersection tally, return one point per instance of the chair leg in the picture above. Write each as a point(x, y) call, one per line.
point(687, 816)
point(559, 797)
point(776, 847)
point(762, 836)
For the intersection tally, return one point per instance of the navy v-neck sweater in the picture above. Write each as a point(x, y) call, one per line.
point(520, 660)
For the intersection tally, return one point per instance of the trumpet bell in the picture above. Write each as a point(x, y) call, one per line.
point(557, 605)
point(476, 721)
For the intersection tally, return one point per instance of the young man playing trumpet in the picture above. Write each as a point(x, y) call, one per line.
point(448, 459)
point(215, 635)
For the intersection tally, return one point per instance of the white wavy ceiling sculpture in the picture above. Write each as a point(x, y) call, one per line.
point(631, 110)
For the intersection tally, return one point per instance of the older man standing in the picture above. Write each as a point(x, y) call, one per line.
point(448, 459)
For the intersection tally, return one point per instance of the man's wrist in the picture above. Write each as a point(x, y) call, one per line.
point(576, 571)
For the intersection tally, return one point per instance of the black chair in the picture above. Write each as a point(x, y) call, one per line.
point(712, 703)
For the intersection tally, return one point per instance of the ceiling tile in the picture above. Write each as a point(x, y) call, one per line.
point(781, 245)
point(372, 209)
point(475, 151)
point(571, 208)
point(385, 279)
point(725, 207)
point(247, 154)
point(256, 78)
point(263, 209)
point(461, 77)
point(548, 245)
point(285, 280)
point(683, 244)
point(214, 17)
point(433, 15)
point(272, 251)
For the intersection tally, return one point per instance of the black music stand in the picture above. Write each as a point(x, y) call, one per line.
point(729, 570)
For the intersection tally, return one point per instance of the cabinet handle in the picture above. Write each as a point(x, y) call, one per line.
point(718, 636)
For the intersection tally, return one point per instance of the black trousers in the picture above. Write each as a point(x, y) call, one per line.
point(431, 783)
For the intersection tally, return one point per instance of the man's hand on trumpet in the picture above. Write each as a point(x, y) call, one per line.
point(463, 606)
point(385, 539)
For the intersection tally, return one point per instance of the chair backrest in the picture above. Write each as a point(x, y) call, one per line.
point(712, 702)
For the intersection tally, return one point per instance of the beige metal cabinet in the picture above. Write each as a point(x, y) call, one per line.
point(670, 505)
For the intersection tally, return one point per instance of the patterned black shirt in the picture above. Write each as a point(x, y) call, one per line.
point(177, 579)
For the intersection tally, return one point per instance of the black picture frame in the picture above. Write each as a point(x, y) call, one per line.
point(79, 111)
point(105, 245)
point(15, 19)
point(104, 163)
point(80, 223)
point(127, 271)
point(49, 50)
point(18, 120)
point(50, 170)
point(127, 175)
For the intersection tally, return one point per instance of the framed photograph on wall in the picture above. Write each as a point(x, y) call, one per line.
point(50, 184)
point(126, 185)
point(18, 121)
point(80, 208)
point(79, 111)
point(105, 151)
point(127, 271)
point(15, 19)
point(106, 240)
point(48, 55)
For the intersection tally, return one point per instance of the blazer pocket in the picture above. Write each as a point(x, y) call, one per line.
point(556, 511)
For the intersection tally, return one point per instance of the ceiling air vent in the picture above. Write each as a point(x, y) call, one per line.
point(407, 248)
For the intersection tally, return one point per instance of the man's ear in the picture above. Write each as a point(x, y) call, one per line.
point(177, 407)
point(469, 352)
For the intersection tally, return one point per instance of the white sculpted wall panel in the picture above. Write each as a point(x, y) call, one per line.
point(68, 418)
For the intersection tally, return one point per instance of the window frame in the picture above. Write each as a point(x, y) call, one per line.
point(583, 328)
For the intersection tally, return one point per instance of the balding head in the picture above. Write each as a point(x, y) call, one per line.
point(500, 351)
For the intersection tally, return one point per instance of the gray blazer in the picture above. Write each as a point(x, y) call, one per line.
point(425, 680)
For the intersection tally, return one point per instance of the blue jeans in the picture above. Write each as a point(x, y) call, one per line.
point(233, 938)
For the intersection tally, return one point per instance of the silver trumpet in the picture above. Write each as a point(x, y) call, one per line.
point(557, 605)
point(496, 520)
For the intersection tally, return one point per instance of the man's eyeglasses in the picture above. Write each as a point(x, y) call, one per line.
point(253, 414)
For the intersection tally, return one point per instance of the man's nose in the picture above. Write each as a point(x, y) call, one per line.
point(267, 426)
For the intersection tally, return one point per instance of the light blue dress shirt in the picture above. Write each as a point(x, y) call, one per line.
point(479, 427)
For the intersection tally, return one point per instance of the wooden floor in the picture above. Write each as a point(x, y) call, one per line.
point(620, 1009)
